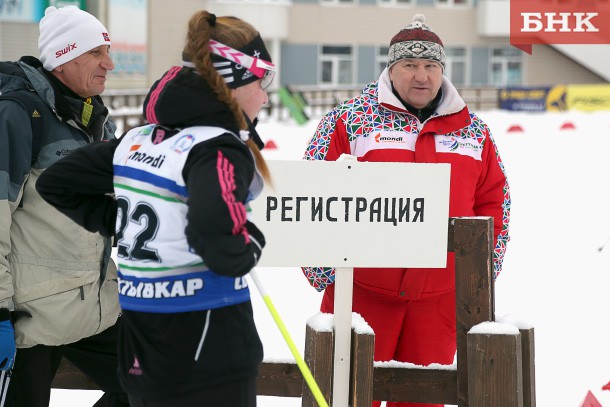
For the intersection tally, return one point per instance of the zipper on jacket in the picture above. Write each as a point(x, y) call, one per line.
point(82, 293)
point(203, 335)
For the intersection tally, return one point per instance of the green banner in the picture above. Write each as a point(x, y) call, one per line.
point(294, 103)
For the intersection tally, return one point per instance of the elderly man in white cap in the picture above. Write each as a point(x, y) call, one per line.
point(414, 114)
point(58, 290)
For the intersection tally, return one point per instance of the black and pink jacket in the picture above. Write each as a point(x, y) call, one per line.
point(165, 354)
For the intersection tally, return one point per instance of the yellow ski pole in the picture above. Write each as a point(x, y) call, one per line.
point(309, 379)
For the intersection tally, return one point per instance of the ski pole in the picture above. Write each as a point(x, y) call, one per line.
point(309, 379)
point(5, 380)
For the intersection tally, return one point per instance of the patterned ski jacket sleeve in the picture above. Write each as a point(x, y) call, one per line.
point(492, 197)
point(328, 143)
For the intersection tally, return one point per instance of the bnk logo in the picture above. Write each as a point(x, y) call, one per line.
point(68, 48)
point(564, 22)
point(559, 22)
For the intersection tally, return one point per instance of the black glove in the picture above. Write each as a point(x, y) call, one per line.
point(257, 239)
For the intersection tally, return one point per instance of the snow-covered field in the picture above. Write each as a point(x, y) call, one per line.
point(554, 276)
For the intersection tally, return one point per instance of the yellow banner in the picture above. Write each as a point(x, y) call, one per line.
point(588, 97)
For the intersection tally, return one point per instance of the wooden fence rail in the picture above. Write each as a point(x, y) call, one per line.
point(126, 104)
point(492, 369)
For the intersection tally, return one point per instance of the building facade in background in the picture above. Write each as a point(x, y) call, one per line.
point(318, 42)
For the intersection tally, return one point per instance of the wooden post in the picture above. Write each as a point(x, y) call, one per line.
point(319, 358)
point(361, 375)
point(473, 248)
point(495, 370)
point(529, 371)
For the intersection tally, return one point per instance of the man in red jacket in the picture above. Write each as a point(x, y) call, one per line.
point(412, 311)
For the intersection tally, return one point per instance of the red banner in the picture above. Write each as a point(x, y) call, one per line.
point(559, 22)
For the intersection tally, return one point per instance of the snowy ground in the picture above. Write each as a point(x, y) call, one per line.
point(554, 275)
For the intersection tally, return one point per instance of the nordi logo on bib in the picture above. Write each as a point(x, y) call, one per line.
point(559, 22)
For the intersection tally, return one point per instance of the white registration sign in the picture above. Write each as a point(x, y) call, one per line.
point(348, 214)
point(354, 214)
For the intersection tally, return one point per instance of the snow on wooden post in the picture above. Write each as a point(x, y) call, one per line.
point(361, 382)
point(347, 214)
point(318, 356)
point(495, 366)
point(527, 357)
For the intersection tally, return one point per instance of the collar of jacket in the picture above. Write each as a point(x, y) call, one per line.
point(425, 112)
point(88, 113)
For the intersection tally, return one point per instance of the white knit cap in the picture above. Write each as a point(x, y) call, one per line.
point(67, 33)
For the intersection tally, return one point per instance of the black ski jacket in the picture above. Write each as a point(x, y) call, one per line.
point(160, 354)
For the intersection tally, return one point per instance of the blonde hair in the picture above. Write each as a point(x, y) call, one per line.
point(235, 33)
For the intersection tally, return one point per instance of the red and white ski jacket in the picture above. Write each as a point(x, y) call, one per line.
point(375, 126)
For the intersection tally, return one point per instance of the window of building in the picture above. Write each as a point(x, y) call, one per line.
point(453, 2)
point(455, 66)
point(336, 65)
point(506, 66)
point(333, 2)
point(395, 2)
point(381, 60)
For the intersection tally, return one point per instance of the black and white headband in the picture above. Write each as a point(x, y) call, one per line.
point(243, 66)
